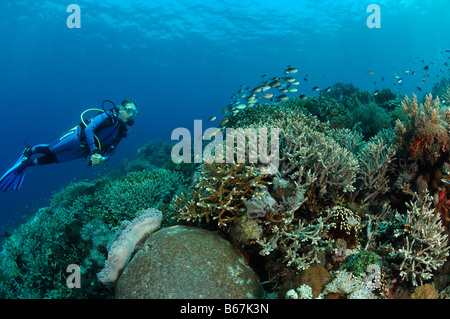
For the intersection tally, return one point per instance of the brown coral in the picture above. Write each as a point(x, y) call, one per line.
point(220, 193)
point(425, 137)
point(427, 291)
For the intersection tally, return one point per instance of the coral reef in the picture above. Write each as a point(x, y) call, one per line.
point(75, 229)
point(358, 208)
point(188, 262)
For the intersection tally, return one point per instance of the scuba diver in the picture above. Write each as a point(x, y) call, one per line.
point(96, 137)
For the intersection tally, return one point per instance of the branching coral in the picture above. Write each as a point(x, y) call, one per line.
point(374, 160)
point(299, 241)
point(314, 159)
point(424, 246)
point(220, 193)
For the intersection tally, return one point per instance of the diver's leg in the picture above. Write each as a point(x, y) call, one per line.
point(64, 149)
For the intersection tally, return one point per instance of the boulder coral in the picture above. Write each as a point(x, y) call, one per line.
point(188, 262)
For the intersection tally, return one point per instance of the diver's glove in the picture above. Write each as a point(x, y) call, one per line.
point(97, 158)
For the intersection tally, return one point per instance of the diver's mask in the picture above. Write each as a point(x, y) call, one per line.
point(131, 110)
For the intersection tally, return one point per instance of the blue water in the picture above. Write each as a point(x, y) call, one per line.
point(182, 60)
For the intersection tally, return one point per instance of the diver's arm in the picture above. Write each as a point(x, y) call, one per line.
point(90, 129)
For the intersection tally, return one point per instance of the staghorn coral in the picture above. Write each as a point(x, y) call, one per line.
point(220, 193)
point(315, 160)
point(374, 160)
point(300, 242)
point(424, 247)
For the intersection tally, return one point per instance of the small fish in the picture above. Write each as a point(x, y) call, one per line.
point(292, 90)
point(224, 111)
point(447, 50)
point(282, 97)
point(265, 87)
point(223, 122)
point(289, 79)
point(241, 106)
point(212, 118)
point(268, 96)
point(370, 72)
point(217, 130)
point(400, 80)
point(419, 89)
point(407, 71)
point(382, 79)
point(275, 83)
point(303, 96)
point(376, 92)
point(316, 88)
point(295, 83)
point(290, 69)
point(283, 90)
point(426, 68)
point(328, 89)
point(305, 79)
point(257, 89)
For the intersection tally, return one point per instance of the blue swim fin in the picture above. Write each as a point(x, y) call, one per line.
point(13, 178)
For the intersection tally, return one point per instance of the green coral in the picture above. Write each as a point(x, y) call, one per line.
point(358, 263)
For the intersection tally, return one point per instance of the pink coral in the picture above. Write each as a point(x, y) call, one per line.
point(121, 249)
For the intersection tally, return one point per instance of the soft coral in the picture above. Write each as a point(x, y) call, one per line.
point(443, 206)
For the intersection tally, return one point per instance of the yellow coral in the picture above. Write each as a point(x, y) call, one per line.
point(220, 193)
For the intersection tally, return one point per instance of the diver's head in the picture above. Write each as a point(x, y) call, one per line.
point(127, 110)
